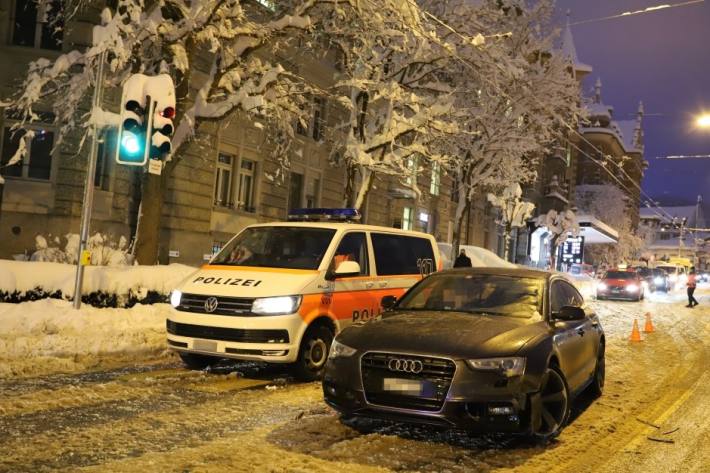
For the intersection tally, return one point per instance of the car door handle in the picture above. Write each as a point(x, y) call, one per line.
point(369, 284)
point(383, 283)
point(580, 331)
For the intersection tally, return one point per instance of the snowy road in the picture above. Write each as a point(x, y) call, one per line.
point(242, 417)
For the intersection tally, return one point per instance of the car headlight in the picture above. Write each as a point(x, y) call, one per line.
point(632, 288)
point(280, 305)
point(513, 366)
point(658, 280)
point(339, 350)
point(601, 287)
point(175, 297)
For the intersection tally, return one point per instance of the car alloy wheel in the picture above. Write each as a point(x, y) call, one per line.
point(597, 386)
point(550, 407)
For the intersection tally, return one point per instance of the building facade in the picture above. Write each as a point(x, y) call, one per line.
point(224, 180)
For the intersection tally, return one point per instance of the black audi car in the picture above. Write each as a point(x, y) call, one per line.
point(481, 349)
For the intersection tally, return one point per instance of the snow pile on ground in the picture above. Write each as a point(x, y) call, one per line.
point(480, 257)
point(49, 335)
point(23, 276)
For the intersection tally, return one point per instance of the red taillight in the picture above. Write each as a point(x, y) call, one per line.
point(168, 112)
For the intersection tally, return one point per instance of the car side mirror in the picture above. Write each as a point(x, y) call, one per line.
point(346, 269)
point(569, 312)
point(388, 302)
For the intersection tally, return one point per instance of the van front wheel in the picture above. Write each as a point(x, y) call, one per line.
point(313, 353)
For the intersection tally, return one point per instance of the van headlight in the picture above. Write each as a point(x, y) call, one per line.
point(658, 280)
point(513, 366)
point(339, 350)
point(175, 298)
point(632, 288)
point(280, 305)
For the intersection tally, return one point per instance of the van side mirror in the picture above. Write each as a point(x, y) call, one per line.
point(388, 302)
point(347, 269)
point(569, 312)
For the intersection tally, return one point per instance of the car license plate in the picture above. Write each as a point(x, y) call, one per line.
point(204, 345)
point(411, 387)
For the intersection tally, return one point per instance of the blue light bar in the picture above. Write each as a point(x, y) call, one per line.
point(317, 215)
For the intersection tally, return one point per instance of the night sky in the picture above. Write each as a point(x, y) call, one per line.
point(662, 58)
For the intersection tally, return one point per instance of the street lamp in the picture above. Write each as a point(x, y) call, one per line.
point(703, 121)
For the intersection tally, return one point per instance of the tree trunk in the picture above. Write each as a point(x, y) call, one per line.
point(506, 241)
point(2, 188)
point(553, 252)
point(456, 237)
point(149, 219)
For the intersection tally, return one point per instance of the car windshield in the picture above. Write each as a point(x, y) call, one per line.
point(620, 275)
point(476, 293)
point(659, 272)
point(644, 272)
point(277, 247)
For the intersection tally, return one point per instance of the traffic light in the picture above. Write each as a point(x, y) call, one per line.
point(162, 132)
point(130, 148)
point(147, 112)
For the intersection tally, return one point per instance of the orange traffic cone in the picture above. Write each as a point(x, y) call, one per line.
point(648, 328)
point(635, 334)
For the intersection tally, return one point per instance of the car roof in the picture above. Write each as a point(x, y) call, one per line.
point(520, 271)
point(345, 226)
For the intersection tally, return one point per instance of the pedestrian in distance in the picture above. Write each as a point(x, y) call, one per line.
point(462, 261)
point(692, 283)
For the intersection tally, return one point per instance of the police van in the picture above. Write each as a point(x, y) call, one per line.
point(279, 292)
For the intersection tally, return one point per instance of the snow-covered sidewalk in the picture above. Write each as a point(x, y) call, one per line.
point(50, 336)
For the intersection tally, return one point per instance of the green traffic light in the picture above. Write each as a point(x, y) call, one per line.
point(131, 144)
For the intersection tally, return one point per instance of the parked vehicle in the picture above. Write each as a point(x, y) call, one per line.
point(481, 349)
point(626, 285)
point(677, 275)
point(280, 292)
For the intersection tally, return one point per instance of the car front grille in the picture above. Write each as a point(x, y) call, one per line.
point(227, 334)
point(435, 378)
point(225, 305)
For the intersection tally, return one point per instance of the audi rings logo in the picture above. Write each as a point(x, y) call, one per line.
point(211, 304)
point(405, 365)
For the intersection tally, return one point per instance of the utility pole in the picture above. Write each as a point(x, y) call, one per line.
point(84, 255)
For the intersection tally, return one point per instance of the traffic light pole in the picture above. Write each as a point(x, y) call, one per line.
point(89, 187)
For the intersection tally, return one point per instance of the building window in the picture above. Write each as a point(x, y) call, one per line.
point(223, 181)
point(245, 192)
point(312, 192)
point(435, 187)
point(37, 161)
point(318, 118)
point(408, 218)
point(295, 191)
point(38, 24)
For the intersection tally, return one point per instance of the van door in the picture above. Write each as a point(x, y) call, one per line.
point(353, 299)
point(400, 262)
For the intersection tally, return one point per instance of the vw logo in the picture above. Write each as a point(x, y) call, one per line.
point(405, 365)
point(211, 304)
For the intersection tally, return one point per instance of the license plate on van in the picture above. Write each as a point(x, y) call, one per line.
point(204, 345)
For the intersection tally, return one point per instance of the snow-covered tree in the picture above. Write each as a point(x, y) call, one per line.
point(561, 225)
point(221, 56)
point(513, 212)
point(608, 203)
point(512, 92)
point(395, 101)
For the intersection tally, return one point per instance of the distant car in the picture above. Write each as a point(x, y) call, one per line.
point(625, 285)
point(481, 349)
point(676, 275)
point(655, 279)
point(582, 269)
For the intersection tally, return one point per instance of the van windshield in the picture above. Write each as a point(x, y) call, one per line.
point(277, 247)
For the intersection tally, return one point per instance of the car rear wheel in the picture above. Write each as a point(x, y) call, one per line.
point(597, 386)
point(550, 407)
point(313, 353)
point(197, 362)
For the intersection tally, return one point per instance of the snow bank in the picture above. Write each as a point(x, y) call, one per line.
point(49, 335)
point(480, 257)
point(21, 277)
